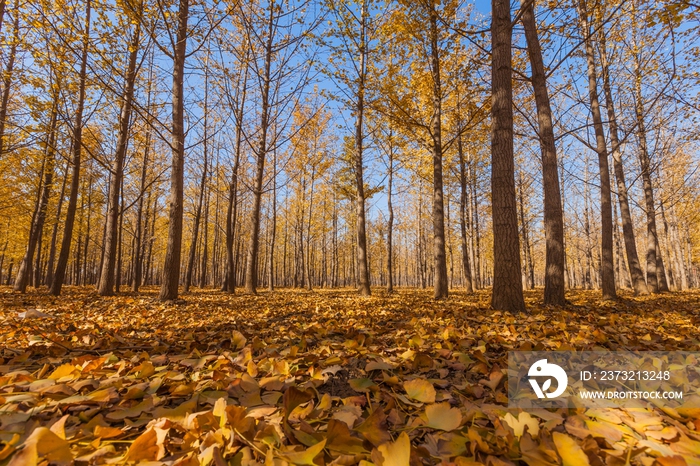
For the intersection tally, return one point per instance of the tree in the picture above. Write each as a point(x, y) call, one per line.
point(8, 72)
point(607, 266)
point(553, 215)
point(350, 64)
point(171, 265)
point(106, 284)
point(635, 269)
point(77, 146)
point(507, 279)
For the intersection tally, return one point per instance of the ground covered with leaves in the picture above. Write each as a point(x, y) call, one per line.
point(321, 377)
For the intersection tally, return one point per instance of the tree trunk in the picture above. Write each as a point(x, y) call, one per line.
point(54, 233)
point(656, 278)
point(529, 269)
point(7, 80)
point(202, 188)
point(140, 227)
point(204, 263)
point(171, 265)
point(251, 273)
point(232, 208)
point(362, 260)
point(77, 143)
point(553, 213)
point(390, 224)
point(507, 278)
point(25, 269)
point(634, 266)
point(607, 269)
point(308, 261)
point(441, 283)
point(120, 244)
point(587, 231)
point(463, 201)
point(273, 227)
point(106, 285)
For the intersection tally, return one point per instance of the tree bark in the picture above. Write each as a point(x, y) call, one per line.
point(77, 146)
point(171, 265)
point(106, 285)
point(507, 278)
point(553, 214)
point(607, 269)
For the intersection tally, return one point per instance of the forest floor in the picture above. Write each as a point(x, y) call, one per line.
point(321, 377)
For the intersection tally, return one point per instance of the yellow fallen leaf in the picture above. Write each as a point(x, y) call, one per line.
point(571, 452)
point(420, 390)
point(305, 457)
point(107, 432)
point(147, 446)
point(43, 444)
point(396, 453)
point(59, 427)
point(65, 370)
point(443, 417)
point(518, 424)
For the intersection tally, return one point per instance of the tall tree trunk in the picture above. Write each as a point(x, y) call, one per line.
point(77, 146)
point(507, 278)
point(106, 285)
point(171, 266)
point(120, 242)
point(54, 233)
point(273, 227)
point(251, 272)
point(673, 272)
point(390, 224)
point(634, 266)
point(656, 275)
point(553, 213)
point(441, 284)
point(232, 209)
point(7, 75)
point(309, 273)
point(587, 231)
point(607, 269)
point(202, 188)
point(204, 263)
point(463, 200)
point(25, 269)
point(140, 227)
point(529, 269)
point(362, 260)
point(474, 216)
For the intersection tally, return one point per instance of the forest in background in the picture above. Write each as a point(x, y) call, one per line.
point(350, 143)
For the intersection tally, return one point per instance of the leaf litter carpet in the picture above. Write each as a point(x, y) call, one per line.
point(320, 378)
